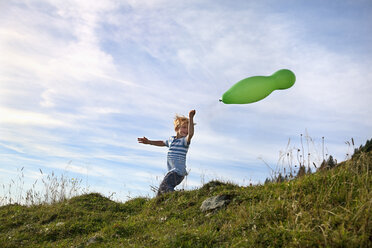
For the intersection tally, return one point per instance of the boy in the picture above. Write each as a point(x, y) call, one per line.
point(178, 147)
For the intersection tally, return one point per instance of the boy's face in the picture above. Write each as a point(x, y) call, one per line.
point(183, 130)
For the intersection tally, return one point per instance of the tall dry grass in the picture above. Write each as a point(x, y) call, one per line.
point(47, 189)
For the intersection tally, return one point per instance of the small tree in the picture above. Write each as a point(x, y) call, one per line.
point(329, 164)
point(280, 178)
point(301, 171)
point(366, 148)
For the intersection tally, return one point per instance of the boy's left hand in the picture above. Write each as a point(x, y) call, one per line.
point(192, 113)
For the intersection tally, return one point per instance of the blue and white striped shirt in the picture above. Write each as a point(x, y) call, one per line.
point(176, 159)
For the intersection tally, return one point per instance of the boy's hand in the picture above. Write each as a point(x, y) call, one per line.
point(192, 113)
point(191, 126)
point(143, 140)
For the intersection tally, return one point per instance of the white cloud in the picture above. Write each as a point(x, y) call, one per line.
point(26, 118)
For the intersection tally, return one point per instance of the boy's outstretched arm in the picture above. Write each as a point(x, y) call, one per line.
point(146, 141)
point(191, 126)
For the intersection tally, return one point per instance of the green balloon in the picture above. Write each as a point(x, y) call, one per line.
point(256, 88)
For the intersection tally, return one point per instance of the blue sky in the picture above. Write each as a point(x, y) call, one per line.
point(81, 80)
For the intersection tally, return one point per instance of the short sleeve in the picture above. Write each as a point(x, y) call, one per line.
point(184, 142)
point(166, 142)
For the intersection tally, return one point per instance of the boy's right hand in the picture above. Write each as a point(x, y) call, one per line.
point(143, 140)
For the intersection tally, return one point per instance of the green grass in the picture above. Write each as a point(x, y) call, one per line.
point(330, 208)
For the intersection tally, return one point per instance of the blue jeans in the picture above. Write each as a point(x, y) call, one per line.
point(170, 181)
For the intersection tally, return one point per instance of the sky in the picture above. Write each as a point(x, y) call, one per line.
point(81, 80)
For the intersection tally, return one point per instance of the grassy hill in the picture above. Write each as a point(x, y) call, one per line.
point(330, 208)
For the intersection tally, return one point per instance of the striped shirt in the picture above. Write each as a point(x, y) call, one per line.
point(176, 158)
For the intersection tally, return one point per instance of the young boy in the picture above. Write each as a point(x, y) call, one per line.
point(178, 147)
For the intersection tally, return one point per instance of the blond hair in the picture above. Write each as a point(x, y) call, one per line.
point(179, 120)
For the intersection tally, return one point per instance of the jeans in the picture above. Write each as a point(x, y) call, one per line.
point(170, 181)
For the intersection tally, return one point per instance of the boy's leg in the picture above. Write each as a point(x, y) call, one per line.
point(170, 181)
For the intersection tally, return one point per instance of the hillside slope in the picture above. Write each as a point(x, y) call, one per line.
point(328, 208)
